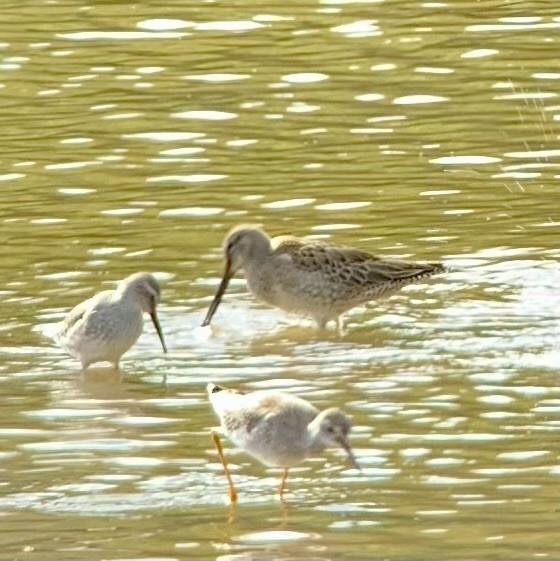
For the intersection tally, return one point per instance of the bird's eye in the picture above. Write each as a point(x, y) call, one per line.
point(330, 430)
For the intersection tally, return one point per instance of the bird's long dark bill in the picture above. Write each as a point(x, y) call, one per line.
point(155, 321)
point(219, 293)
point(351, 456)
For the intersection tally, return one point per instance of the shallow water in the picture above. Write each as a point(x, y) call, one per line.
point(135, 135)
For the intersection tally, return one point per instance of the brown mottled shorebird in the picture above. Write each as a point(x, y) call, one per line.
point(309, 277)
point(277, 428)
point(106, 325)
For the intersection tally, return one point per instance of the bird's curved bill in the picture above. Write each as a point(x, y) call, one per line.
point(155, 321)
point(348, 449)
point(228, 273)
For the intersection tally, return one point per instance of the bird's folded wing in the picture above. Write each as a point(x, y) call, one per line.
point(82, 310)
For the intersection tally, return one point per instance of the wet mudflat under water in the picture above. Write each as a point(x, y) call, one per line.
point(134, 135)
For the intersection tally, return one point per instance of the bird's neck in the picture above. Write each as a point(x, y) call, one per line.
point(257, 255)
point(132, 295)
point(314, 440)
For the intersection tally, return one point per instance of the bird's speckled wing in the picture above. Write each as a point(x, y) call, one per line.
point(271, 426)
point(81, 312)
point(259, 409)
point(344, 263)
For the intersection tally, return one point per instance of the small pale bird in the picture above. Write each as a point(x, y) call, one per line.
point(104, 327)
point(309, 277)
point(277, 428)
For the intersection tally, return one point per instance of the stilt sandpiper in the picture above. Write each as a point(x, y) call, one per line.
point(106, 325)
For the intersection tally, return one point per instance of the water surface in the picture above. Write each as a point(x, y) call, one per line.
point(135, 135)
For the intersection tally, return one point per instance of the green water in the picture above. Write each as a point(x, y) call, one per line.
point(134, 135)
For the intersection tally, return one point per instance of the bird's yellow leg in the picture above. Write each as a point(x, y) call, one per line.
point(282, 485)
point(218, 444)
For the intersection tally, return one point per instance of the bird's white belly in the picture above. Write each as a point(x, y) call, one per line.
point(105, 337)
point(269, 447)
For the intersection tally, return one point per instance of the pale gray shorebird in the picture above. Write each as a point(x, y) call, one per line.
point(277, 428)
point(311, 278)
point(104, 327)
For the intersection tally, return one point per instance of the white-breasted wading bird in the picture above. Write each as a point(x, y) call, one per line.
point(104, 327)
point(277, 428)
